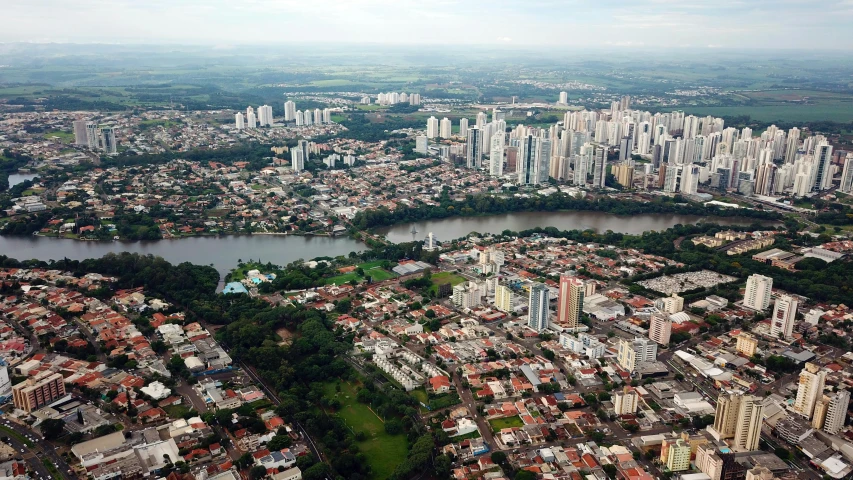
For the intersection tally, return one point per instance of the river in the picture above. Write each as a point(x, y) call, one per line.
point(450, 228)
point(222, 252)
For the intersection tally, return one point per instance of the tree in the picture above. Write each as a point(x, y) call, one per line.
point(499, 457)
point(525, 475)
point(278, 442)
point(610, 470)
point(258, 472)
point(393, 426)
point(52, 428)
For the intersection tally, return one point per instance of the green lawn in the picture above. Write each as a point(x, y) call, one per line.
point(508, 422)
point(384, 452)
point(64, 137)
point(372, 269)
point(421, 395)
point(445, 277)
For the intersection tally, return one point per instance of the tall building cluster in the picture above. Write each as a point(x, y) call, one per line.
point(94, 136)
point(393, 98)
point(738, 421)
point(264, 116)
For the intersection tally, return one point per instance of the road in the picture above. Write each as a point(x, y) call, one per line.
point(274, 398)
point(468, 400)
point(41, 449)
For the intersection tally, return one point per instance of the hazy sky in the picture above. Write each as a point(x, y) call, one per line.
point(747, 24)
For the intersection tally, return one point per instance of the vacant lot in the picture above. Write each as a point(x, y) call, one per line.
point(508, 422)
point(445, 277)
point(384, 452)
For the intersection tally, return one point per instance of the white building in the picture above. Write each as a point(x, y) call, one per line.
point(784, 316)
point(757, 294)
point(432, 127)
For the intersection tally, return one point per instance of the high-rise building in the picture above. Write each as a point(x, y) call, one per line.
point(422, 144)
point(538, 308)
point(810, 389)
point(634, 352)
point(564, 98)
point(36, 392)
point(108, 140)
point(297, 160)
point(599, 168)
point(503, 298)
point(289, 111)
point(532, 154)
point(467, 295)
point(252, 121)
point(80, 137)
point(757, 294)
point(823, 163)
point(446, 130)
point(5, 381)
point(474, 145)
point(738, 418)
point(463, 125)
point(671, 304)
point(846, 185)
point(570, 302)
point(678, 456)
point(784, 316)
point(93, 135)
point(432, 127)
point(719, 465)
point(660, 328)
point(239, 121)
point(748, 424)
point(265, 117)
point(625, 402)
point(836, 412)
point(496, 155)
point(746, 344)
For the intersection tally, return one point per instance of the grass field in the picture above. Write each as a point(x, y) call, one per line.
point(373, 270)
point(445, 277)
point(64, 137)
point(508, 422)
point(383, 451)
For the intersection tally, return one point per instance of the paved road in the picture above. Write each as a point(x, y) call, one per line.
point(40, 450)
point(468, 400)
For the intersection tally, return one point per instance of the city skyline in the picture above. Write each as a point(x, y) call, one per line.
point(676, 25)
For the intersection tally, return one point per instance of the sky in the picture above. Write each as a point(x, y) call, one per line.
point(648, 24)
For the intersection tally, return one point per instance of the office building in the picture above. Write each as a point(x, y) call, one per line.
point(634, 352)
point(532, 155)
point(503, 298)
point(625, 402)
point(810, 389)
point(746, 345)
point(660, 328)
point(784, 316)
point(474, 146)
point(836, 412)
point(538, 308)
point(36, 392)
point(432, 127)
point(757, 294)
point(570, 302)
point(80, 136)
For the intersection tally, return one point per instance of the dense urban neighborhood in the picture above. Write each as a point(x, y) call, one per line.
point(714, 344)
